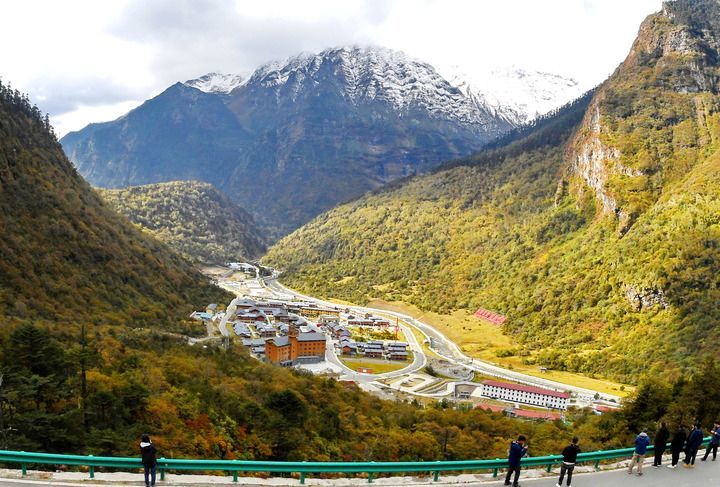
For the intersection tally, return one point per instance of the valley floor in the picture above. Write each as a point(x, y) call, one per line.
point(430, 331)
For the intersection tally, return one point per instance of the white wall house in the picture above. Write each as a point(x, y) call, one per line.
point(535, 396)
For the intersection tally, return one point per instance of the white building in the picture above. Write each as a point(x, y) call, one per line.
point(535, 396)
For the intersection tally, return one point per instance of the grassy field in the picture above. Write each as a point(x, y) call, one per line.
point(377, 366)
point(481, 339)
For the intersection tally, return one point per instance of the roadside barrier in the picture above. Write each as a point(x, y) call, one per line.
point(304, 469)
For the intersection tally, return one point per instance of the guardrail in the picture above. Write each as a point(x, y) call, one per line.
point(303, 468)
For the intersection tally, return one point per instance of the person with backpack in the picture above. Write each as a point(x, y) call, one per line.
point(641, 443)
point(677, 445)
point(518, 449)
point(693, 445)
point(149, 460)
point(568, 464)
point(714, 442)
point(660, 443)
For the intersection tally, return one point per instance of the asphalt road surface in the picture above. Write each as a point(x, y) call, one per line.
point(705, 474)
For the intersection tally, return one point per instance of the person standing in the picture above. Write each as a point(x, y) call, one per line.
point(677, 445)
point(641, 443)
point(660, 443)
point(149, 460)
point(714, 442)
point(518, 449)
point(693, 445)
point(568, 464)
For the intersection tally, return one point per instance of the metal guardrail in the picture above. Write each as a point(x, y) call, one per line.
point(303, 468)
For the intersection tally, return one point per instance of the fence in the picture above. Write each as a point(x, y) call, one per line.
point(304, 469)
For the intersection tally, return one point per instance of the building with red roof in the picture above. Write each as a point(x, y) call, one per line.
point(531, 414)
point(520, 393)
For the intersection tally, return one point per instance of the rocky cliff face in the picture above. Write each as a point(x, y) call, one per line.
point(675, 58)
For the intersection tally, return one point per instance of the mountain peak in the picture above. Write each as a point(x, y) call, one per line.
point(372, 74)
point(514, 93)
point(216, 83)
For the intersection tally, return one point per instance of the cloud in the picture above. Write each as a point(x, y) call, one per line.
point(60, 95)
point(191, 38)
point(86, 58)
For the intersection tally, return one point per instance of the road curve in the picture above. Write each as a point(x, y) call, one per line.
point(450, 351)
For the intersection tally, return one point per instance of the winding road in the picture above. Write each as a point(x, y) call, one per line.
point(445, 348)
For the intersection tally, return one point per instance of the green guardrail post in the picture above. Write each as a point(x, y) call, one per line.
point(597, 464)
point(495, 472)
point(548, 469)
point(370, 477)
point(23, 467)
point(436, 476)
point(235, 476)
point(162, 473)
point(91, 469)
point(302, 478)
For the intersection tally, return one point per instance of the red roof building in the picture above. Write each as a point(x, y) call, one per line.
point(492, 317)
point(536, 396)
point(530, 414)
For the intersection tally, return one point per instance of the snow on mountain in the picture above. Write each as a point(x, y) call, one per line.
point(516, 94)
point(216, 83)
point(377, 74)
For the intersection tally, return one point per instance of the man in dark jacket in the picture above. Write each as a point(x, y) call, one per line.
point(149, 460)
point(714, 442)
point(661, 439)
point(569, 458)
point(677, 445)
point(518, 449)
point(693, 444)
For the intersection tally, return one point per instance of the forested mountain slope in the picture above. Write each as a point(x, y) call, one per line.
point(194, 218)
point(67, 256)
point(92, 356)
point(600, 243)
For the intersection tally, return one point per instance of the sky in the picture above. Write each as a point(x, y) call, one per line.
point(86, 61)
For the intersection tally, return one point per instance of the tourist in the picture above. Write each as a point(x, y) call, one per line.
point(677, 445)
point(568, 464)
point(693, 444)
point(714, 442)
point(149, 460)
point(661, 439)
point(518, 449)
point(641, 443)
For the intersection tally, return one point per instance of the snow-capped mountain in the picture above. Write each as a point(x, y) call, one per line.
point(300, 135)
point(516, 94)
point(216, 83)
point(368, 74)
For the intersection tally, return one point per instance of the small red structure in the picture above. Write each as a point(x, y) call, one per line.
point(531, 414)
point(492, 317)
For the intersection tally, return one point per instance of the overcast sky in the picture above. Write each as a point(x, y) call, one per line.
point(92, 60)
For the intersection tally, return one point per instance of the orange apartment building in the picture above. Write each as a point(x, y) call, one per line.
point(295, 347)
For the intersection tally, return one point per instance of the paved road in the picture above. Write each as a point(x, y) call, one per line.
point(704, 475)
point(449, 350)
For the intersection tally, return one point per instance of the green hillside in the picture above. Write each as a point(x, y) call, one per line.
point(597, 235)
point(192, 217)
point(66, 256)
point(93, 348)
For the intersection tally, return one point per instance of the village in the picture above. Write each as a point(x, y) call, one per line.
point(380, 354)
